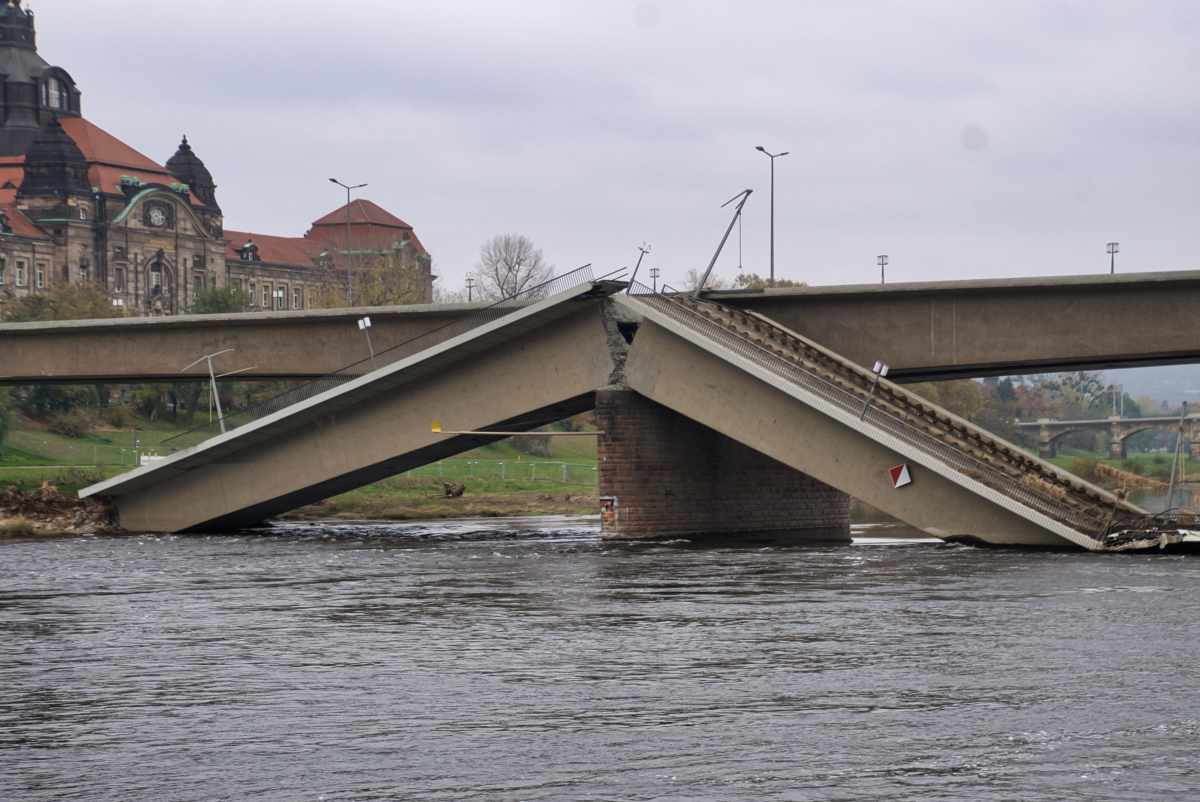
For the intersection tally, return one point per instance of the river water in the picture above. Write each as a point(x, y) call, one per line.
point(526, 660)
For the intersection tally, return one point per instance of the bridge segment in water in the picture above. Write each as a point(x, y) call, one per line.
point(765, 439)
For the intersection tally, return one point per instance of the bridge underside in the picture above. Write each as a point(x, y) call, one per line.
point(698, 437)
point(705, 388)
point(524, 373)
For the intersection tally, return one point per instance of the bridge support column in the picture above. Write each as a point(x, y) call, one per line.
point(1047, 447)
point(672, 477)
point(1116, 449)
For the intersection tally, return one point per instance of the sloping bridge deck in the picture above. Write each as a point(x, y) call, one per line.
point(792, 400)
point(913, 430)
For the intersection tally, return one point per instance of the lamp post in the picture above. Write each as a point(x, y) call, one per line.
point(773, 158)
point(882, 266)
point(1112, 255)
point(470, 285)
point(364, 325)
point(654, 273)
point(349, 271)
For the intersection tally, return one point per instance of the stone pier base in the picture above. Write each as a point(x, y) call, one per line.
point(663, 475)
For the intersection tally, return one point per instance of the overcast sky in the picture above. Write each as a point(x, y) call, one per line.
point(963, 139)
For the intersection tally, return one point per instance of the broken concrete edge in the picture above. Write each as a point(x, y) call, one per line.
point(331, 400)
point(867, 430)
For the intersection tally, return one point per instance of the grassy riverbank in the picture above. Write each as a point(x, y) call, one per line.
point(401, 499)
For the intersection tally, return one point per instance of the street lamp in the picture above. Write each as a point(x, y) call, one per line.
point(364, 325)
point(1112, 255)
point(773, 158)
point(349, 272)
point(654, 273)
point(882, 265)
point(470, 286)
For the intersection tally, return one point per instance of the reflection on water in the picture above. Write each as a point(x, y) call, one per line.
point(527, 660)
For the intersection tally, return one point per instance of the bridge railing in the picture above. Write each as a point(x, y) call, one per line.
point(849, 402)
point(388, 356)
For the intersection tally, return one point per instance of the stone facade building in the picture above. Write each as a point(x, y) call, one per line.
point(77, 204)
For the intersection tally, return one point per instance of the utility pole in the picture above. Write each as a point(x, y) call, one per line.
point(882, 260)
point(1113, 247)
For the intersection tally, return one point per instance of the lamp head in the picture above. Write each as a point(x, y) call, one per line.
point(333, 180)
point(760, 147)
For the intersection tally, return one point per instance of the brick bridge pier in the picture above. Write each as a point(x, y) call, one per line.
point(671, 476)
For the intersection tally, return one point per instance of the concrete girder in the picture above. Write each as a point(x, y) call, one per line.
point(739, 403)
point(533, 367)
point(925, 331)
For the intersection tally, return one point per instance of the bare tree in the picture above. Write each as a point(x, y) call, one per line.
point(509, 264)
point(691, 281)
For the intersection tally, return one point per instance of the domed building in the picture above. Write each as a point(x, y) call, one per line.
point(77, 204)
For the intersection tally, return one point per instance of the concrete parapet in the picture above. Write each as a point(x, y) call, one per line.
point(669, 476)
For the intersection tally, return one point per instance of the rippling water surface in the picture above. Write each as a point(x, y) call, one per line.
point(526, 660)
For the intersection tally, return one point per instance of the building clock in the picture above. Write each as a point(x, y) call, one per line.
point(157, 217)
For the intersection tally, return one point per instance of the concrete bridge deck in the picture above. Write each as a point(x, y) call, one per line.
point(532, 367)
point(736, 373)
point(925, 331)
point(799, 403)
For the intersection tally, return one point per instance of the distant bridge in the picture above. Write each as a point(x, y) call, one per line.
point(924, 331)
point(1051, 432)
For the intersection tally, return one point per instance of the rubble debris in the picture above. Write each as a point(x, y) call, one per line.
point(46, 508)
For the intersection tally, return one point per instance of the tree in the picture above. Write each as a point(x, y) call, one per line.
point(392, 277)
point(691, 281)
point(6, 416)
point(510, 264)
point(753, 281)
point(219, 300)
point(64, 301)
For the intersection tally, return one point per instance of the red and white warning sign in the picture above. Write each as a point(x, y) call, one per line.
point(900, 476)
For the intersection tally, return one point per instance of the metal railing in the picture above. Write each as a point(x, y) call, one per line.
point(1085, 522)
point(382, 358)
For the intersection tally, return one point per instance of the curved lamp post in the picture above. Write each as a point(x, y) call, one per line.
point(349, 271)
point(773, 158)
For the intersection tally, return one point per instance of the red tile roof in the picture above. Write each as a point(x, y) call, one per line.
point(101, 147)
point(293, 251)
point(21, 225)
point(108, 159)
point(371, 227)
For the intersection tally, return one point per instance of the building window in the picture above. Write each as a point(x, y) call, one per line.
point(82, 213)
point(119, 280)
point(280, 294)
point(118, 301)
point(155, 278)
point(66, 272)
point(84, 266)
point(54, 94)
point(295, 299)
point(41, 275)
point(1, 271)
point(198, 282)
point(266, 304)
point(20, 273)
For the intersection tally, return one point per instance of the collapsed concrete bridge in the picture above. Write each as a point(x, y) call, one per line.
point(716, 421)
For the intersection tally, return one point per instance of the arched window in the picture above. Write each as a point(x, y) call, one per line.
point(156, 278)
